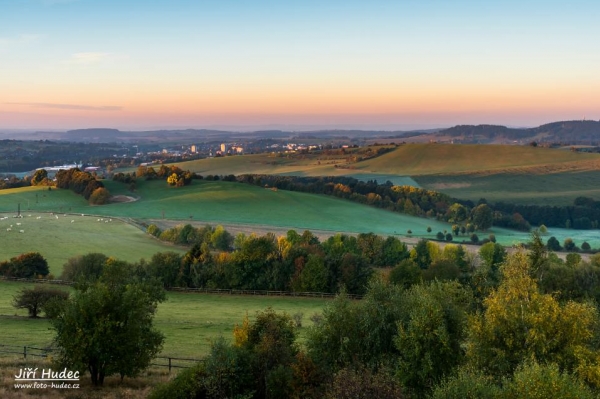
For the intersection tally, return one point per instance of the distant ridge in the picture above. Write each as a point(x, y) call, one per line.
point(568, 132)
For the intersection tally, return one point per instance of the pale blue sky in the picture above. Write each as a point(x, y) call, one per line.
point(338, 63)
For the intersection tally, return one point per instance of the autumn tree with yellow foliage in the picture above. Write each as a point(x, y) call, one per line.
point(520, 324)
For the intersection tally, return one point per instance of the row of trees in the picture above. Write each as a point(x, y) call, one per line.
point(174, 175)
point(83, 183)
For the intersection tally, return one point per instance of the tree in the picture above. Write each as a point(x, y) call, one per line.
point(106, 327)
point(520, 323)
point(420, 254)
point(39, 177)
point(482, 217)
point(99, 196)
point(88, 267)
point(28, 265)
point(569, 245)
point(441, 269)
point(270, 341)
point(221, 239)
point(405, 274)
point(492, 254)
point(34, 299)
point(553, 244)
point(430, 334)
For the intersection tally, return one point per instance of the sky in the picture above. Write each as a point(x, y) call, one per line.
point(392, 65)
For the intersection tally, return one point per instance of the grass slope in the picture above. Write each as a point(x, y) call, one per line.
point(189, 321)
point(228, 202)
point(431, 159)
point(522, 174)
point(59, 239)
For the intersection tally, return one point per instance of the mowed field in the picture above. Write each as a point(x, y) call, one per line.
point(520, 174)
point(189, 321)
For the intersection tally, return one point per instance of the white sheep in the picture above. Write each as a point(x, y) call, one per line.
point(21, 231)
point(18, 224)
point(8, 229)
point(72, 221)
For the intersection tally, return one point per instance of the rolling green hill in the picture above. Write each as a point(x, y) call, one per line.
point(521, 174)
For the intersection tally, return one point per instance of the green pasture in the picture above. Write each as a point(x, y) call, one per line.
point(547, 189)
point(226, 202)
point(211, 202)
point(60, 239)
point(189, 320)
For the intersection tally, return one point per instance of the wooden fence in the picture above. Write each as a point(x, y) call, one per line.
point(219, 291)
point(26, 351)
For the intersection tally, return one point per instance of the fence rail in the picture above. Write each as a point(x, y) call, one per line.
point(219, 291)
point(25, 351)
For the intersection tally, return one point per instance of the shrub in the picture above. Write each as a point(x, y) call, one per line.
point(532, 380)
point(466, 385)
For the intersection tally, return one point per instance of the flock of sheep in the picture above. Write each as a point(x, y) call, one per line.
point(39, 217)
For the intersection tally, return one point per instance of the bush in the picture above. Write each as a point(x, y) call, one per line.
point(474, 238)
point(440, 236)
point(187, 384)
point(466, 385)
point(533, 380)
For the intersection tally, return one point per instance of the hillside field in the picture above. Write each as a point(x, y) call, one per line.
point(521, 174)
point(212, 202)
point(189, 320)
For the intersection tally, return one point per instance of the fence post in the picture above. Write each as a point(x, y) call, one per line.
point(25, 352)
point(169, 365)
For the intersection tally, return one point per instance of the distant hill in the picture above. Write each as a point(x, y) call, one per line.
point(565, 132)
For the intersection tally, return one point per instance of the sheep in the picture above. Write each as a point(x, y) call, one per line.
point(39, 217)
point(8, 229)
point(72, 221)
point(56, 216)
point(18, 224)
point(21, 231)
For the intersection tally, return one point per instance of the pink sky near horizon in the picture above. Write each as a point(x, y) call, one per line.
point(399, 65)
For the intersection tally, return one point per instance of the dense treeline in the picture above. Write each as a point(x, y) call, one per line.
point(441, 325)
point(583, 214)
point(296, 262)
point(83, 183)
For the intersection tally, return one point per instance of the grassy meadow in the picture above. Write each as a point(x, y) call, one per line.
point(224, 202)
point(59, 239)
point(189, 321)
